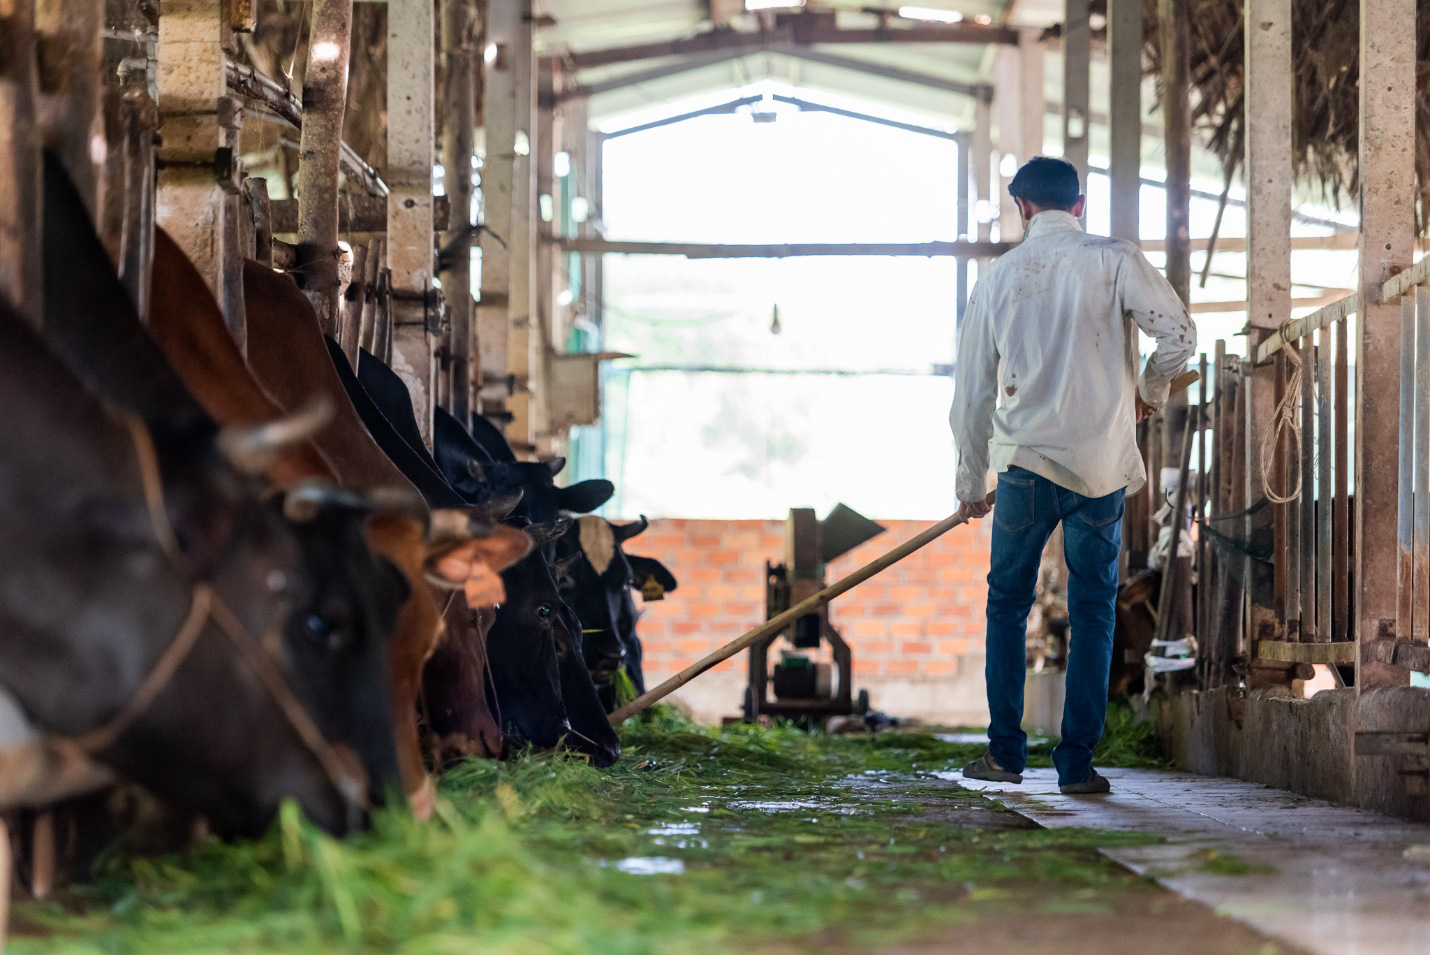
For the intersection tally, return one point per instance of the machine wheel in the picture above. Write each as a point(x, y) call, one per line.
point(861, 703)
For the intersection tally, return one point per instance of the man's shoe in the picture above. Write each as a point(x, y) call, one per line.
point(1091, 786)
point(983, 768)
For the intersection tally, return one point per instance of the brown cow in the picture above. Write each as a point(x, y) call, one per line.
point(186, 321)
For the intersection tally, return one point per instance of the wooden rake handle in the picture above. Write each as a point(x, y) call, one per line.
point(814, 602)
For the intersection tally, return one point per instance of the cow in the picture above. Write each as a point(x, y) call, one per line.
point(525, 670)
point(475, 470)
point(596, 579)
point(351, 594)
point(164, 623)
point(290, 358)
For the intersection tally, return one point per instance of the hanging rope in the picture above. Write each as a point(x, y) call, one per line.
point(1286, 419)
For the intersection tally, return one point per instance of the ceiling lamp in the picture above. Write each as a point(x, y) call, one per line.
point(932, 14)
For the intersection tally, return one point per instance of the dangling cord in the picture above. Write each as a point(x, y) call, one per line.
point(1287, 419)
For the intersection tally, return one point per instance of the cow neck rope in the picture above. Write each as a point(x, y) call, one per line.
point(205, 606)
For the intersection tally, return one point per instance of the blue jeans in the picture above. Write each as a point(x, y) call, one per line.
point(1029, 507)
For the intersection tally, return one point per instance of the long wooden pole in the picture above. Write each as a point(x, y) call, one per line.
point(782, 620)
point(814, 602)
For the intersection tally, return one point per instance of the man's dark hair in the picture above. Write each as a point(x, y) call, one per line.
point(1047, 182)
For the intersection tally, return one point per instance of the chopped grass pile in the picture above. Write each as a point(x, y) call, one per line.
point(700, 840)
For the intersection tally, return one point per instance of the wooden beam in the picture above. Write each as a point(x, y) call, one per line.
point(462, 43)
point(1280, 651)
point(1268, 173)
point(1387, 201)
point(1077, 82)
point(325, 93)
point(1124, 54)
point(357, 213)
point(812, 107)
point(1172, 19)
point(411, 46)
point(686, 64)
point(788, 32)
point(198, 172)
point(69, 37)
point(782, 251)
point(21, 179)
point(980, 91)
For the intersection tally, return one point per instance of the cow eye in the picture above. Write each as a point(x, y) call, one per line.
point(320, 628)
point(544, 611)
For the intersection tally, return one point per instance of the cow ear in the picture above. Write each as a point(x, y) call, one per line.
point(598, 541)
point(627, 531)
point(556, 465)
point(561, 569)
point(654, 569)
point(584, 496)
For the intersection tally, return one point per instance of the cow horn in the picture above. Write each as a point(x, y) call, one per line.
point(394, 500)
point(555, 465)
point(543, 534)
point(499, 508)
point(455, 523)
point(306, 501)
point(476, 470)
point(633, 529)
point(252, 450)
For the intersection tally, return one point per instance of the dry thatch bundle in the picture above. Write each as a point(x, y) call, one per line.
point(1326, 54)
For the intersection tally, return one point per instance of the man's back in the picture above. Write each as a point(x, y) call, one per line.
point(1059, 315)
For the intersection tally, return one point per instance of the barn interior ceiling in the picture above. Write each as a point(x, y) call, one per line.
point(934, 81)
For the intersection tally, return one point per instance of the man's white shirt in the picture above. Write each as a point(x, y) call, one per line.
point(1047, 360)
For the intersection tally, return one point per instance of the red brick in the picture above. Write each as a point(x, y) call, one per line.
point(912, 647)
point(941, 667)
point(723, 557)
point(921, 610)
point(903, 667)
point(868, 666)
point(903, 628)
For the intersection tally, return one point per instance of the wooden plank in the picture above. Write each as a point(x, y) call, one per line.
point(980, 91)
point(784, 250)
point(1387, 179)
point(1405, 469)
point(1403, 282)
point(1288, 472)
point(1420, 617)
point(1340, 504)
point(1324, 490)
point(499, 116)
point(1306, 505)
point(1282, 651)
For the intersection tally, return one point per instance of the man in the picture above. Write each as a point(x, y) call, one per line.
point(1047, 387)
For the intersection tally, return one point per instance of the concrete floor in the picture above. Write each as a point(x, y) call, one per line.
point(1323, 878)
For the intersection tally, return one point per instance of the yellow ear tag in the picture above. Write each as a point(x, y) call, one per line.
point(651, 590)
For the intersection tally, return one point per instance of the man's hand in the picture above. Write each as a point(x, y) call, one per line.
point(973, 510)
point(1144, 410)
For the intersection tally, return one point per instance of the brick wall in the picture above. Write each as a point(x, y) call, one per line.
point(916, 629)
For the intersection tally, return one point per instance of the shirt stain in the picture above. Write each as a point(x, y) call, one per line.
point(1011, 390)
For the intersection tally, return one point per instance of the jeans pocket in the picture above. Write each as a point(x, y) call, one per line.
point(1098, 512)
point(1013, 511)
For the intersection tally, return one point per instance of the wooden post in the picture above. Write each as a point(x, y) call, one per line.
point(982, 157)
point(325, 93)
point(1387, 201)
point(544, 259)
point(1124, 41)
point(411, 42)
point(1007, 98)
point(523, 237)
point(1268, 212)
point(501, 106)
point(136, 243)
point(961, 289)
point(21, 179)
point(461, 51)
point(69, 35)
point(198, 166)
point(1032, 100)
point(1077, 59)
